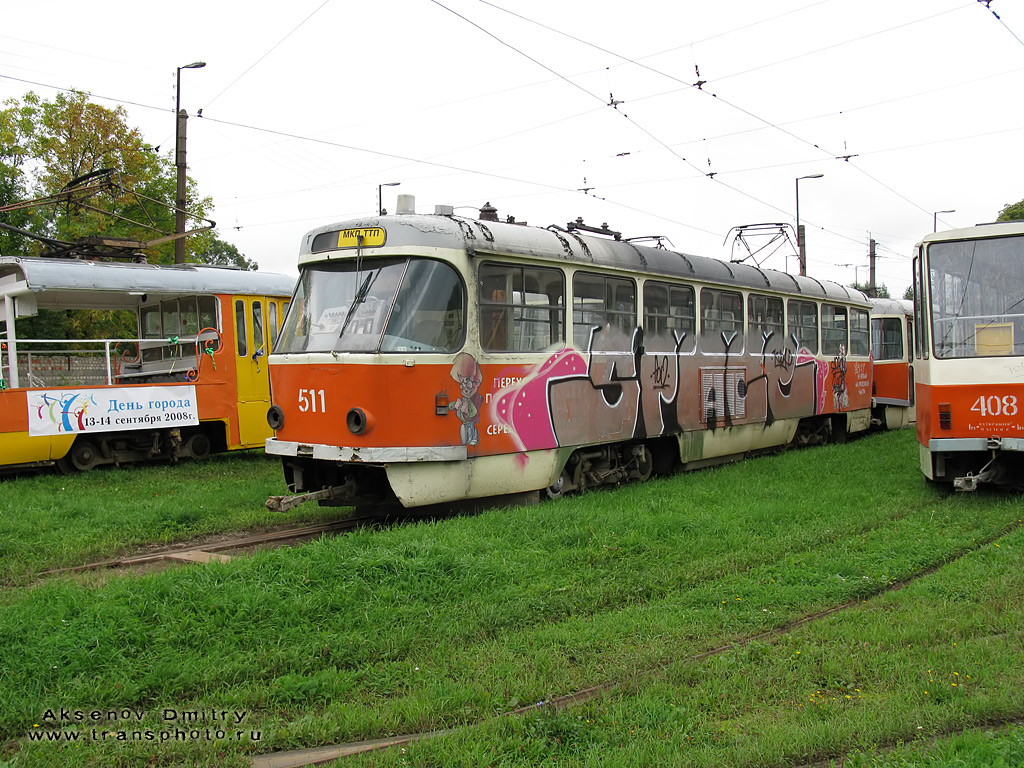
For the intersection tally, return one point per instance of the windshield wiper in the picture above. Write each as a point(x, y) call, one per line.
point(358, 299)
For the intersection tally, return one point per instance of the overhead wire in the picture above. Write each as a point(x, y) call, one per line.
point(464, 170)
point(988, 5)
point(728, 103)
point(269, 51)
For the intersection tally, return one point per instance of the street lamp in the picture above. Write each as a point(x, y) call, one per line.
point(801, 246)
point(179, 160)
point(380, 203)
point(935, 218)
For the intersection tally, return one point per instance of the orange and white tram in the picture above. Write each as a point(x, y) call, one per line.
point(892, 354)
point(431, 358)
point(191, 381)
point(969, 367)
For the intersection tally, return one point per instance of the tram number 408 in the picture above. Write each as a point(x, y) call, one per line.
point(312, 400)
point(993, 405)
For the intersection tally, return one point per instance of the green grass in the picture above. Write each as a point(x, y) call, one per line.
point(449, 624)
point(53, 521)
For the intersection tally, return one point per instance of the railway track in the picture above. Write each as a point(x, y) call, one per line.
point(215, 551)
point(324, 754)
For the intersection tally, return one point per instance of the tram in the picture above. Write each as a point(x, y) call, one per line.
point(191, 380)
point(969, 366)
point(892, 354)
point(432, 358)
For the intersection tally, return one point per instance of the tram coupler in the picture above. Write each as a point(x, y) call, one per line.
point(284, 503)
point(991, 472)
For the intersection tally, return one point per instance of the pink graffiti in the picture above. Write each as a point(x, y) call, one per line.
point(523, 406)
point(804, 357)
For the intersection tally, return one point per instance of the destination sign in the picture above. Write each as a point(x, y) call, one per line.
point(367, 237)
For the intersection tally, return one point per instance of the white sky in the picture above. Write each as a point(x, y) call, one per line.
point(309, 105)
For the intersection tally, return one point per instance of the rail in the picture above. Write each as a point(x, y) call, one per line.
point(93, 362)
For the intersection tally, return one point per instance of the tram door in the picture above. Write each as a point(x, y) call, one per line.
point(252, 341)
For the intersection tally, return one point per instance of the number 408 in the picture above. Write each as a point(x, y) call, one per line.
point(993, 405)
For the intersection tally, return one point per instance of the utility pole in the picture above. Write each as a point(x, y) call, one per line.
point(181, 117)
point(801, 243)
point(872, 291)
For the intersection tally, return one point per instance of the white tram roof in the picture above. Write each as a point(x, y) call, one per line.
point(417, 233)
point(79, 284)
point(995, 229)
point(892, 307)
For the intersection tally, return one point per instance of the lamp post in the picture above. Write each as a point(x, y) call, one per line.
point(801, 246)
point(380, 203)
point(935, 218)
point(179, 160)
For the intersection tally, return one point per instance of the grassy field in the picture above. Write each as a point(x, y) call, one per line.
point(451, 624)
point(53, 521)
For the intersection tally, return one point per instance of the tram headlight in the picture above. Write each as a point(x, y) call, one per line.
point(359, 421)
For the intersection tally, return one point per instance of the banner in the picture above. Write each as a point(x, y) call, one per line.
point(70, 411)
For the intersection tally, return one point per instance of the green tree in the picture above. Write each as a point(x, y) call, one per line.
point(881, 291)
point(909, 293)
point(66, 138)
point(12, 183)
point(224, 254)
point(1012, 212)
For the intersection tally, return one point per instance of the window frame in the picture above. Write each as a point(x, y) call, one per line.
point(711, 327)
point(805, 309)
point(757, 328)
point(511, 317)
point(831, 342)
point(652, 320)
point(618, 319)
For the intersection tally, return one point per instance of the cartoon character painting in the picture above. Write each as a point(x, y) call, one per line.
point(466, 371)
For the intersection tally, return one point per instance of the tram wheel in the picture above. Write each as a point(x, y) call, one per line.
point(557, 489)
point(645, 464)
point(198, 446)
point(83, 456)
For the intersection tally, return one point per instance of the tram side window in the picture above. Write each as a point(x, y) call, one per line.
point(188, 316)
point(522, 309)
point(240, 329)
point(150, 322)
point(859, 332)
point(605, 302)
point(765, 317)
point(669, 315)
point(257, 328)
point(171, 318)
point(208, 313)
point(921, 347)
point(803, 324)
point(833, 330)
point(272, 309)
point(886, 338)
point(721, 312)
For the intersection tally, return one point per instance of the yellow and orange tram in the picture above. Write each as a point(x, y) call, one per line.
point(191, 379)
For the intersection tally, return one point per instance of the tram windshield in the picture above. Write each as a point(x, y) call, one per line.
point(977, 289)
point(392, 305)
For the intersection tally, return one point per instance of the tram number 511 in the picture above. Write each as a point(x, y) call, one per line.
point(310, 399)
point(993, 405)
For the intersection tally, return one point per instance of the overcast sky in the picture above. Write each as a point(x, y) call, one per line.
point(552, 111)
